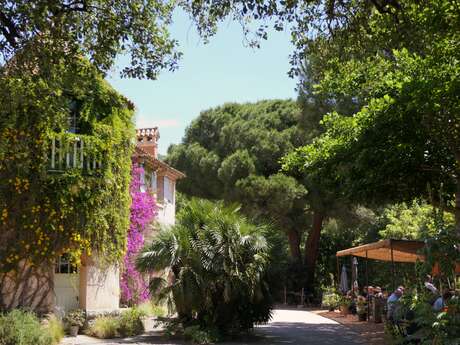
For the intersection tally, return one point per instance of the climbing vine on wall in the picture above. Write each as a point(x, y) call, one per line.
point(134, 287)
point(77, 208)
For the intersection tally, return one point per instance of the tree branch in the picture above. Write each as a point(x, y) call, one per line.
point(9, 30)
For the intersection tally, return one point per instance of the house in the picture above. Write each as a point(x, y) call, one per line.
point(73, 161)
point(159, 177)
point(96, 289)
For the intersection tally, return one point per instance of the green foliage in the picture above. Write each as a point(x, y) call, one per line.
point(130, 322)
point(238, 147)
point(414, 221)
point(62, 32)
point(23, 328)
point(104, 327)
point(432, 327)
point(331, 299)
point(198, 336)
point(398, 143)
point(149, 308)
point(45, 213)
point(55, 329)
point(75, 317)
point(218, 263)
point(231, 142)
point(127, 324)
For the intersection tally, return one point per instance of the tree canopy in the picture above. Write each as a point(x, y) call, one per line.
point(398, 145)
point(232, 152)
point(62, 30)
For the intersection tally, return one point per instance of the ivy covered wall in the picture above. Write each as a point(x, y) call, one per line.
point(81, 204)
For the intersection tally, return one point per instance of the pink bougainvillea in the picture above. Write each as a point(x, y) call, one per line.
point(134, 288)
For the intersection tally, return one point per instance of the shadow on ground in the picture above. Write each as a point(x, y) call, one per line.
point(288, 327)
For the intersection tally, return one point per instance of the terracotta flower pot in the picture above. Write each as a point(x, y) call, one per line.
point(73, 331)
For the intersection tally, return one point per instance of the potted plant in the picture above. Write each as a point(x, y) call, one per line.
point(331, 301)
point(75, 319)
point(345, 303)
point(361, 308)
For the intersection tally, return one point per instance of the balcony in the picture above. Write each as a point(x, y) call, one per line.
point(73, 151)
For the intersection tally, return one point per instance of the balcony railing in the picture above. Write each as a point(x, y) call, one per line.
point(73, 152)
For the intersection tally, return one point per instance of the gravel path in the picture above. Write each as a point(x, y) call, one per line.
point(299, 327)
point(288, 327)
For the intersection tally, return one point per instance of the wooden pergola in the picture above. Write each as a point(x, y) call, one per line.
point(386, 250)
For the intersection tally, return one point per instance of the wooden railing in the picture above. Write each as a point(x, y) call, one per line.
point(72, 152)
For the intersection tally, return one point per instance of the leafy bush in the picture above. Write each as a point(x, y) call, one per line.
point(130, 323)
point(104, 327)
point(220, 262)
point(150, 309)
point(433, 327)
point(23, 328)
point(55, 329)
point(331, 300)
point(199, 336)
point(75, 318)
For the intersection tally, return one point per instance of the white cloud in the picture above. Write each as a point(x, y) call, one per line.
point(148, 122)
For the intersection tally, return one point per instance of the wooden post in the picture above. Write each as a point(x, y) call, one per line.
point(61, 154)
point(302, 297)
point(367, 284)
point(338, 273)
point(285, 295)
point(81, 154)
point(88, 157)
point(392, 265)
point(74, 154)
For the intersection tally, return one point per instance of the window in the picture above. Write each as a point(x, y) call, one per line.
point(63, 265)
point(142, 181)
point(153, 182)
point(74, 113)
point(168, 190)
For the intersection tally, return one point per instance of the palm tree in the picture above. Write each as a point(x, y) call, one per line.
point(214, 263)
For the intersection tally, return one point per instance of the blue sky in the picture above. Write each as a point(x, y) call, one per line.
point(224, 70)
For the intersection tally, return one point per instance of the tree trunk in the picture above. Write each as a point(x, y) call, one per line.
point(294, 244)
point(312, 247)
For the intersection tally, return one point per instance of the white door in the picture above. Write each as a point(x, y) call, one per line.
point(66, 285)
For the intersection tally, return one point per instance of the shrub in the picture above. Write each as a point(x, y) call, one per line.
point(199, 336)
point(55, 329)
point(150, 309)
point(104, 327)
point(331, 299)
point(22, 328)
point(219, 260)
point(75, 318)
point(130, 323)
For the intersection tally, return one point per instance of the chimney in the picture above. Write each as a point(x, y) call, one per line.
point(147, 139)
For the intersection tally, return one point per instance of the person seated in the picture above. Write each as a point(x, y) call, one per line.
point(364, 293)
point(441, 301)
point(384, 293)
point(393, 304)
point(429, 285)
point(370, 291)
point(378, 292)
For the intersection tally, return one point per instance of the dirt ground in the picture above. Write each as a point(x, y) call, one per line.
point(372, 332)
